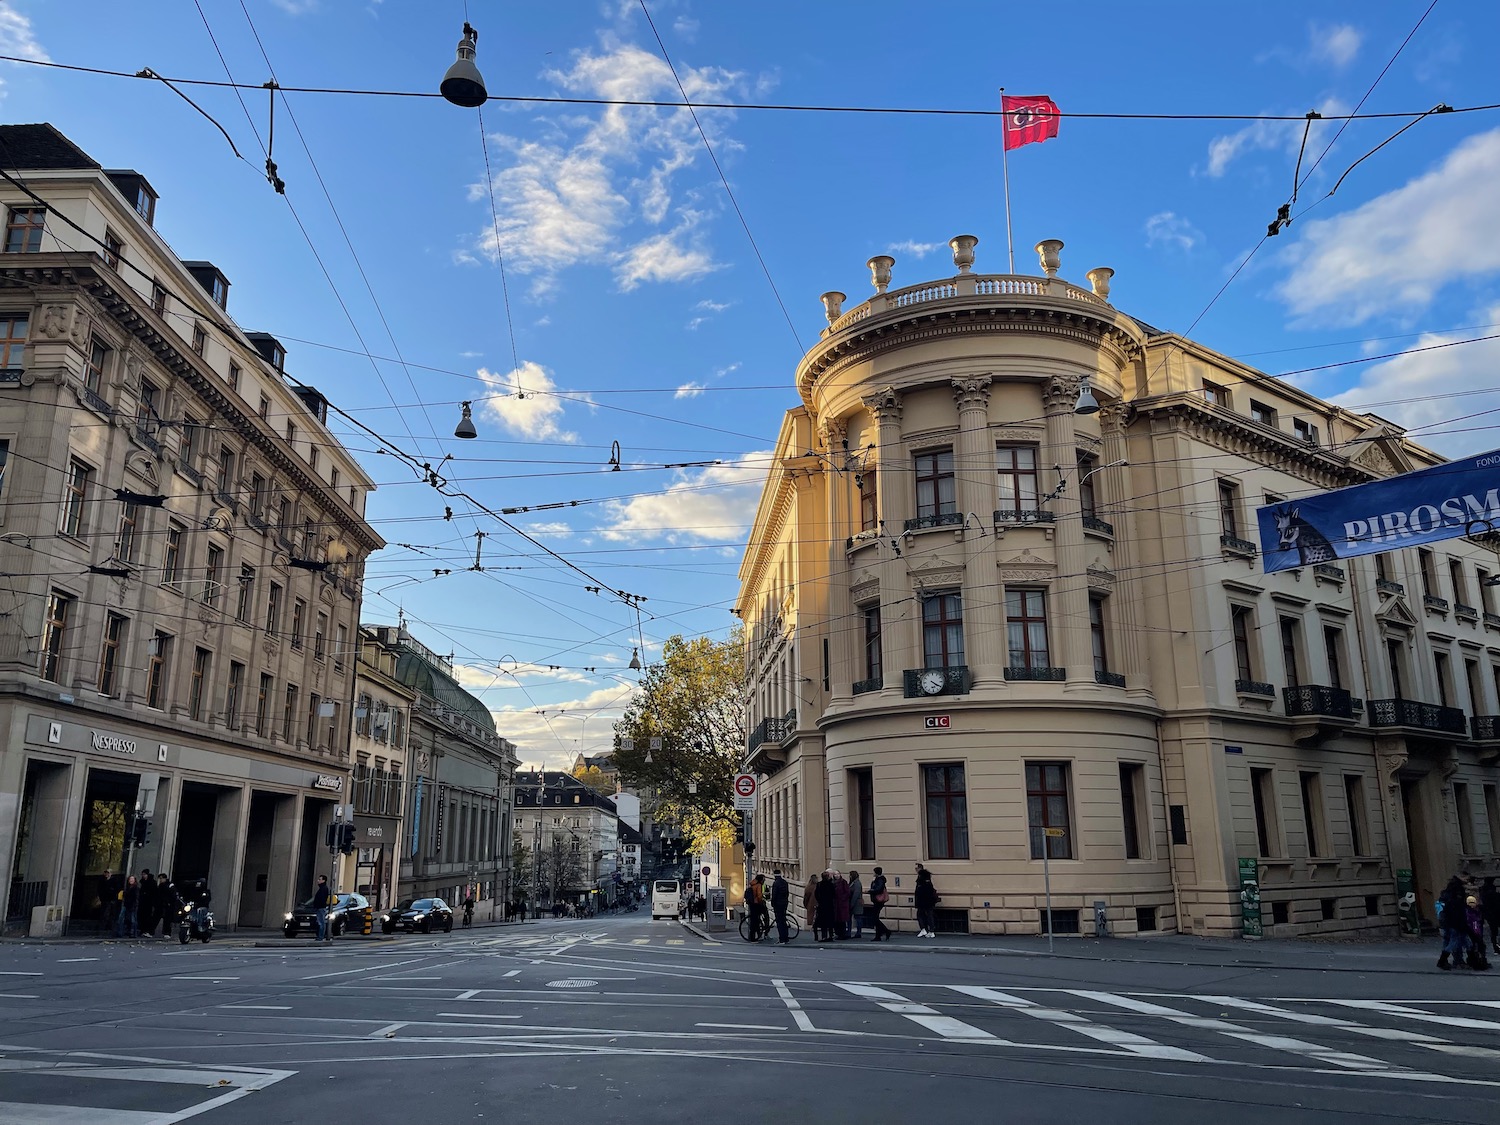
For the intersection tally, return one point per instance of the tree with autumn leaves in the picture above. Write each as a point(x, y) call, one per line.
point(693, 700)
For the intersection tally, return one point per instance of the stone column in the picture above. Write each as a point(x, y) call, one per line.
point(899, 616)
point(839, 518)
point(1123, 617)
point(974, 468)
point(1068, 603)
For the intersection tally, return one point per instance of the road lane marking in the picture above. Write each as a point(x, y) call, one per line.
point(920, 1014)
point(17, 996)
point(470, 994)
point(640, 941)
point(75, 960)
point(792, 1005)
point(1417, 1014)
point(387, 1031)
point(479, 1016)
point(1245, 1034)
point(18, 973)
point(514, 973)
point(257, 1007)
point(1135, 1044)
point(365, 969)
point(744, 1026)
point(1399, 1035)
point(213, 978)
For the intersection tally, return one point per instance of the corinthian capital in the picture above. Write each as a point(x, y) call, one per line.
point(884, 405)
point(833, 432)
point(972, 392)
point(1061, 391)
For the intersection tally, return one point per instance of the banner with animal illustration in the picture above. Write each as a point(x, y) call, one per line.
point(1443, 502)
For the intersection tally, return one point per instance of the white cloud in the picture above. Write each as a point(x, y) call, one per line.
point(296, 7)
point(469, 355)
point(713, 306)
point(1394, 253)
point(1269, 136)
point(554, 530)
point(1167, 228)
point(522, 404)
point(915, 249)
point(686, 28)
point(1336, 43)
point(590, 190)
point(555, 734)
point(17, 38)
point(1438, 420)
point(689, 390)
point(713, 503)
point(692, 325)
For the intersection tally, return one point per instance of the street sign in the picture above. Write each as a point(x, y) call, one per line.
point(708, 871)
point(744, 792)
point(936, 722)
point(1055, 833)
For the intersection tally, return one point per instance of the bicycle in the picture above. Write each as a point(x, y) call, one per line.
point(750, 930)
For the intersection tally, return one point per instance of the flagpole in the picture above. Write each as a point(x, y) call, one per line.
point(1010, 244)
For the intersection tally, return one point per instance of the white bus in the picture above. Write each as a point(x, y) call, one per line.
point(666, 901)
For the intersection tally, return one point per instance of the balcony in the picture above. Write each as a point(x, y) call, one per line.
point(254, 521)
point(1386, 586)
point(864, 687)
point(1255, 687)
point(1094, 523)
point(1316, 700)
point(1234, 545)
point(1420, 716)
point(955, 681)
point(1434, 603)
point(1110, 679)
point(1041, 673)
point(1024, 515)
point(1484, 728)
point(191, 474)
point(772, 731)
point(147, 438)
point(942, 519)
point(1328, 572)
point(1465, 612)
point(95, 402)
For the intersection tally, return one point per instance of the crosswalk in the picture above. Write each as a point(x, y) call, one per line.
point(568, 940)
point(1404, 1039)
point(58, 1088)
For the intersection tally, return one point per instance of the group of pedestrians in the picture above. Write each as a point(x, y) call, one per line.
point(1463, 913)
point(134, 906)
point(838, 908)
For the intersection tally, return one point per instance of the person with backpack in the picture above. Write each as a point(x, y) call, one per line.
point(856, 906)
point(879, 896)
point(1454, 924)
point(926, 902)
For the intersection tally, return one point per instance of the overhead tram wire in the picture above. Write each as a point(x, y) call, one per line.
point(911, 111)
point(723, 179)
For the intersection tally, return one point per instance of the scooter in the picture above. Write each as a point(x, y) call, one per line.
point(196, 922)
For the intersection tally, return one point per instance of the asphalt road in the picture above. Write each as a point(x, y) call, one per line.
point(626, 1020)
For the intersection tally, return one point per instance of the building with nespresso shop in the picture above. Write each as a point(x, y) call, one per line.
point(182, 542)
point(1005, 616)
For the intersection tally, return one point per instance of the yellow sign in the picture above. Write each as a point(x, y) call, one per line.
point(1054, 832)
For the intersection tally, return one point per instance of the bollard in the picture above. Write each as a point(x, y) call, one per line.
point(367, 921)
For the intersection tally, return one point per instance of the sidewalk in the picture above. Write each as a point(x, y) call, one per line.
point(1392, 956)
point(268, 937)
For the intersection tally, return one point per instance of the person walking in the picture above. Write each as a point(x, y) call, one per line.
point(856, 906)
point(110, 887)
point(320, 901)
point(1489, 910)
point(1474, 922)
point(826, 900)
point(841, 905)
point(126, 925)
point(781, 893)
point(1453, 923)
point(469, 908)
point(167, 903)
point(926, 900)
point(810, 901)
point(879, 896)
point(147, 911)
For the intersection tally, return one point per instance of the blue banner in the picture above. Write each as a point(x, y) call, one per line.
point(1443, 502)
point(416, 816)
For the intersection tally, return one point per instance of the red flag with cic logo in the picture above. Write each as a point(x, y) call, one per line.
point(1028, 119)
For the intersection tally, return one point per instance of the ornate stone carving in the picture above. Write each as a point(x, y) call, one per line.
point(53, 322)
point(1019, 433)
point(1376, 461)
point(972, 392)
point(1061, 390)
point(1024, 566)
point(864, 587)
point(1392, 759)
point(884, 405)
point(143, 467)
point(1100, 577)
point(834, 434)
point(937, 575)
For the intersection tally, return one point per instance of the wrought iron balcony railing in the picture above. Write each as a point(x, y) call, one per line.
point(1386, 586)
point(1041, 672)
point(772, 731)
point(1411, 713)
point(1254, 687)
point(1328, 571)
point(1110, 679)
point(874, 683)
point(1484, 728)
point(1492, 619)
point(1094, 523)
point(1024, 515)
point(1315, 699)
point(1433, 602)
point(942, 519)
point(1465, 612)
point(95, 401)
point(1237, 545)
point(956, 681)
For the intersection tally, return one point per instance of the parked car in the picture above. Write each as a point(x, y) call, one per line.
point(345, 914)
point(422, 915)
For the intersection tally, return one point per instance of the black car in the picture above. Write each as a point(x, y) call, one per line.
point(345, 914)
point(422, 915)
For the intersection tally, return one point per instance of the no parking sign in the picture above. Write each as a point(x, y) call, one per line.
point(744, 792)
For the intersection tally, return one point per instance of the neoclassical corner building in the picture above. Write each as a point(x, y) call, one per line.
point(1002, 594)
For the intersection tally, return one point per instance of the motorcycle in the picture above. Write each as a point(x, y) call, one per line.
point(196, 922)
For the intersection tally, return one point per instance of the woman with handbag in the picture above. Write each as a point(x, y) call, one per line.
point(879, 896)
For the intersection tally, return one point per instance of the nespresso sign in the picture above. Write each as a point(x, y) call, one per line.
point(113, 743)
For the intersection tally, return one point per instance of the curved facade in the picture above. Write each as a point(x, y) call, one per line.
point(981, 624)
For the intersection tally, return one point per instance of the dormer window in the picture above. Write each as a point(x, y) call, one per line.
point(1306, 432)
point(1260, 412)
point(145, 203)
point(219, 290)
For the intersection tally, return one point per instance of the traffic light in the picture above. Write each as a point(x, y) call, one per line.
point(331, 837)
point(750, 848)
point(346, 838)
point(739, 832)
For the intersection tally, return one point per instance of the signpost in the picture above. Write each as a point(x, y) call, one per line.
point(744, 792)
point(1250, 921)
point(1048, 835)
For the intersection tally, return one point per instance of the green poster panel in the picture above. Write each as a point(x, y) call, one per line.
point(1250, 898)
point(1406, 902)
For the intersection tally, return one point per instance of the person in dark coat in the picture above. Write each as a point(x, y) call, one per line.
point(827, 903)
point(147, 910)
point(810, 901)
point(1489, 909)
point(841, 905)
point(126, 922)
point(110, 886)
point(926, 897)
point(781, 895)
point(879, 896)
point(1453, 922)
point(167, 903)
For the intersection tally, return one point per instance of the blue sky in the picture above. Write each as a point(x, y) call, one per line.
point(640, 312)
